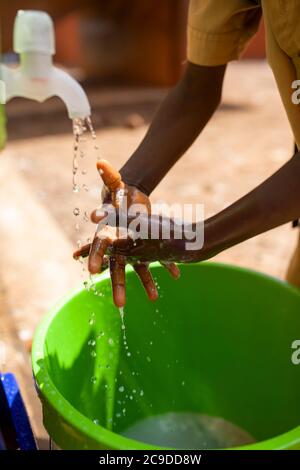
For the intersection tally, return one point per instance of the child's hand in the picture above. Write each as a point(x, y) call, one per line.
point(107, 237)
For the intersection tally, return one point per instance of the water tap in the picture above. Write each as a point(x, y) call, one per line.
point(36, 77)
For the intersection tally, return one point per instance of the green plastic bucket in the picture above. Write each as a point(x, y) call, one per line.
point(217, 342)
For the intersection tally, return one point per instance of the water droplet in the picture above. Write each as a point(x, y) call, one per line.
point(148, 359)
point(142, 393)
point(121, 389)
point(96, 421)
point(183, 383)
point(91, 342)
point(93, 353)
point(110, 341)
point(94, 380)
point(76, 211)
point(129, 354)
point(76, 188)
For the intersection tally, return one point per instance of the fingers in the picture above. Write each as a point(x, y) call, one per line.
point(172, 268)
point(145, 276)
point(82, 252)
point(97, 252)
point(110, 176)
point(98, 214)
point(117, 274)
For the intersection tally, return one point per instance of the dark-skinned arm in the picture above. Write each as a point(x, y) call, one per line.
point(273, 203)
point(178, 122)
point(180, 119)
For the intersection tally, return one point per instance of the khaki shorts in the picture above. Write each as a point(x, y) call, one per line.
point(219, 30)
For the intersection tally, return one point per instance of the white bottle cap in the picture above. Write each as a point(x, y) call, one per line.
point(34, 32)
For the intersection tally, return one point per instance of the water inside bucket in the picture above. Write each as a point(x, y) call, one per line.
point(188, 431)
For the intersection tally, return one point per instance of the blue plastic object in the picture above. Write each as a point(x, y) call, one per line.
point(15, 429)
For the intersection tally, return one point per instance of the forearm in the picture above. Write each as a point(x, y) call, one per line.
point(179, 120)
point(275, 202)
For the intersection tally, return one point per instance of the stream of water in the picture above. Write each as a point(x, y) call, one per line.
point(84, 134)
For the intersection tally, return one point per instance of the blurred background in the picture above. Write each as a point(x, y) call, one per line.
point(127, 54)
point(119, 41)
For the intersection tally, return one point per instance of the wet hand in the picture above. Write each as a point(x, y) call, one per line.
point(109, 244)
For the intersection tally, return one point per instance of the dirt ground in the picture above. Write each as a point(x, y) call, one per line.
point(245, 142)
